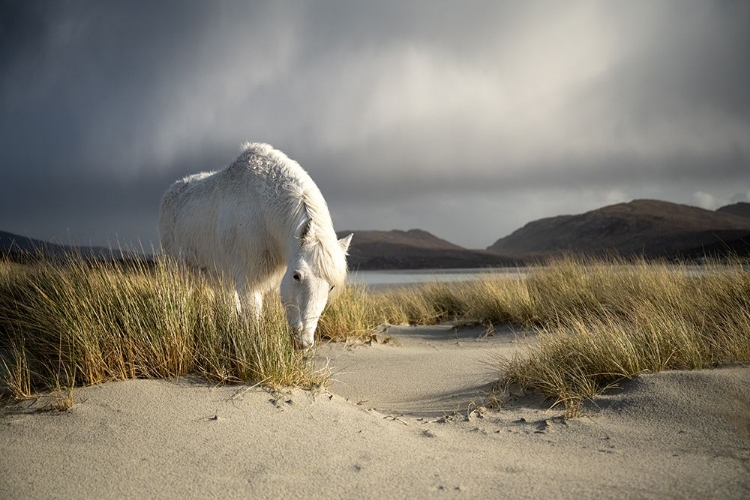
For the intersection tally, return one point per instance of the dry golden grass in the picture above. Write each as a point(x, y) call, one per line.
point(352, 314)
point(80, 323)
point(491, 299)
point(598, 322)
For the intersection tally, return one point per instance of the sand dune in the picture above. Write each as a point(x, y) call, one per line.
point(400, 421)
point(424, 372)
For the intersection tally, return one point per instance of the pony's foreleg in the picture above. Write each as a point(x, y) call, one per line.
point(237, 302)
point(251, 303)
point(257, 304)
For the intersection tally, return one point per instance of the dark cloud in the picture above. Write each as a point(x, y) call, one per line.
point(407, 114)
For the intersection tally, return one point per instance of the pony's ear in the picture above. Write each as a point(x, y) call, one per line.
point(305, 232)
point(345, 242)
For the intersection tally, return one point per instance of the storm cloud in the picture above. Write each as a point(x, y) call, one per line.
point(467, 119)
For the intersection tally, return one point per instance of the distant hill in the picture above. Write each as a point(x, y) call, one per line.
point(642, 227)
point(24, 248)
point(15, 244)
point(413, 249)
point(650, 228)
point(742, 209)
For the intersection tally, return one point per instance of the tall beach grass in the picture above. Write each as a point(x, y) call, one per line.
point(601, 323)
point(597, 321)
point(80, 323)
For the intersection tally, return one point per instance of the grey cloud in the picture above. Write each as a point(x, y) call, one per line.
point(383, 102)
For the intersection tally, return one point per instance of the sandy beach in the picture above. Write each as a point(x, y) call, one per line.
point(402, 419)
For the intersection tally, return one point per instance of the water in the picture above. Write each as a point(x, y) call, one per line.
point(391, 278)
point(415, 277)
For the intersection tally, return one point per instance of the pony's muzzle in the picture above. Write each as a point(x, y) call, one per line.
point(303, 339)
point(302, 344)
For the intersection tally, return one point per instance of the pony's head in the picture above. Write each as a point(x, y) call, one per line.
point(315, 272)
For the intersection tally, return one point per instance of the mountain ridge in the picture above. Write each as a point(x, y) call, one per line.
point(19, 247)
point(647, 228)
point(742, 209)
point(650, 228)
point(413, 249)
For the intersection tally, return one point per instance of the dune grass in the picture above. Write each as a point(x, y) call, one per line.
point(600, 323)
point(597, 322)
point(78, 323)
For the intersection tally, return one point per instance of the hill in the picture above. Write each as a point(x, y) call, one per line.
point(413, 249)
point(23, 248)
point(642, 227)
point(742, 209)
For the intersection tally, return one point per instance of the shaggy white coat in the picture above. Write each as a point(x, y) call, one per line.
point(262, 224)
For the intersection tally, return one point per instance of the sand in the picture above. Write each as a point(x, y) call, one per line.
point(401, 420)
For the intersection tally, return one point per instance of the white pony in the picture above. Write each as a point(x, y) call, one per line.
point(263, 224)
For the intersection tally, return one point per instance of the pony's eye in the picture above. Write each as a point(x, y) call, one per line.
point(332, 287)
point(297, 277)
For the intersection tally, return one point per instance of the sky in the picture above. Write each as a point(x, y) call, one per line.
point(467, 119)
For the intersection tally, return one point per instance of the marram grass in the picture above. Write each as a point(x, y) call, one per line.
point(600, 323)
point(78, 323)
point(597, 322)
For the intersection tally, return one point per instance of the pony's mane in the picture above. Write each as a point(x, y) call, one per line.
point(312, 220)
point(321, 244)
